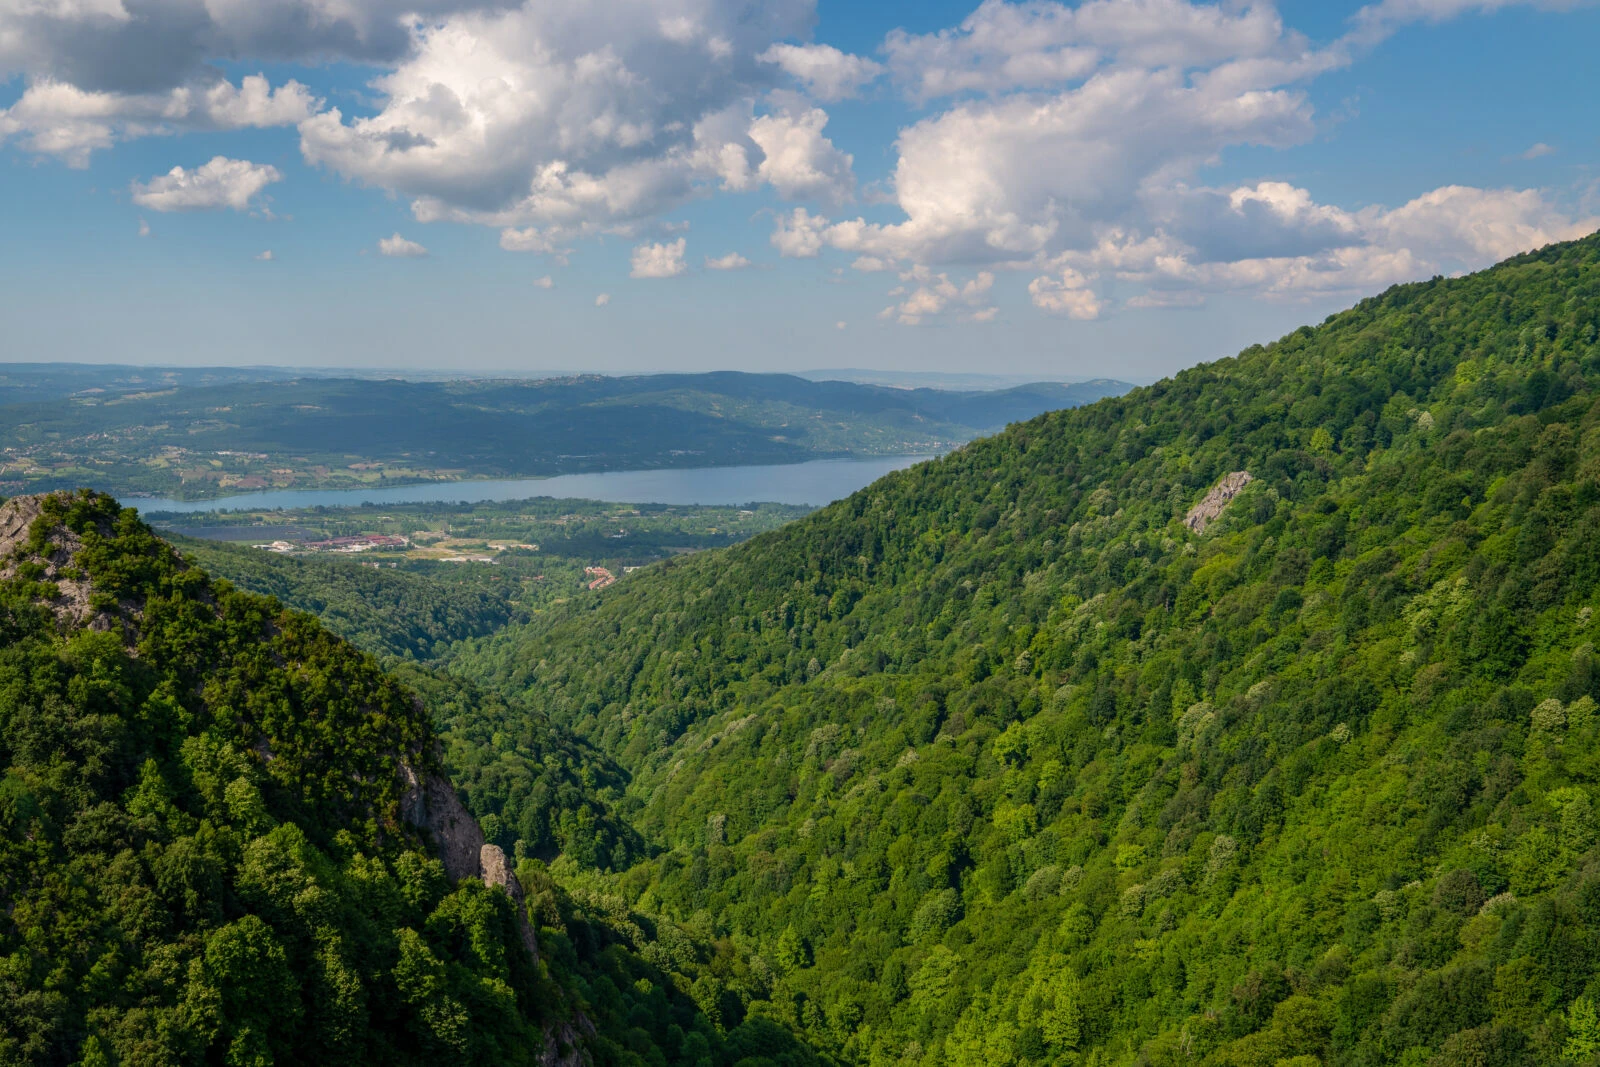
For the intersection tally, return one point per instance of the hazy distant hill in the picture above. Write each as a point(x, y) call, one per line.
point(327, 432)
point(972, 381)
point(22, 383)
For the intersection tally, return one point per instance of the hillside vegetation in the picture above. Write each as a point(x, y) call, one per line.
point(225, 839)
point(999, 762)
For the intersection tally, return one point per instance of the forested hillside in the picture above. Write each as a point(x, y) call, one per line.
point(998, 761)
point(386, 612)
point(225, 838)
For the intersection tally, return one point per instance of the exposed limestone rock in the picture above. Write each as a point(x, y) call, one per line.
point(433, 806)
point(496, 872)
point(563, 1047)
point(1204, 513)
point(71, 604)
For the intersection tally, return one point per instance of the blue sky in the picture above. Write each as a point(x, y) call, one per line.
point(1117, 188)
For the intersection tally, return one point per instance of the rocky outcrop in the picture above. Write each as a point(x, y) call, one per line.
point(1210, 507)
point(496, 872)
point(431, 805)
point(71, 603)
point(563, 1045)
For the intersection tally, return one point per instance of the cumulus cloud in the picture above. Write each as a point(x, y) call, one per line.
point(60, 119)
point(800, 234)
point(221, 183)
point(928, 294)
point(1073, 136)
point(265, 257)
point(1450, 229)
point(1066, 293)
point(400, 248)
point(545, 282)
point(602, 300)
point(1005, 46)
point(1377, 21)
point(658, 260)
point(827, 73)
point(144, 228)
point(1538, 151)
point(1059, 137)
point(798, 161)
point(731, 261)
point(565, 120)
point(1014, 177)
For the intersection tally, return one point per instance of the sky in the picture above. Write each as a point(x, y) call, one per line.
point(1112, 188)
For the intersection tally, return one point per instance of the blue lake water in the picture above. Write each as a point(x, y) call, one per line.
point(817, 482)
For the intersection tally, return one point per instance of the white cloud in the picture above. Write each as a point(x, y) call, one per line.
point(1066, 293)
point(565, 119)
point(1538, 151)
point(1060, 136)
point(1073, 144)
point(548, 242)
point(731, 261)
point(545, 282)
point(658, 260)
point(840, 325)
point(221, 183)
point(1377, 21)
point(1465, 227)
point(935, 294)
point(827, 73)
point(602, 300)
point(60, 119)
point(400, 248)
point(1005, 46)
point(1451, 229)
point(265, 257)
point(799, 162)
point(144, 228)
point(1023, 175)
point(800, 234)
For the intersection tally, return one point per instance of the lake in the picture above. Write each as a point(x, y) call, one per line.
point(817, 482)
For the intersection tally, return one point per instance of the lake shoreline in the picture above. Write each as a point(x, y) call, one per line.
point(811, 483)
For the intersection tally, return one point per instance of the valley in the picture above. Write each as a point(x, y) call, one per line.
point(789, 533)
point(1247, 718)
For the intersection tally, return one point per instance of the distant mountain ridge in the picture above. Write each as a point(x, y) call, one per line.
point(331, 432)
point(959, 381)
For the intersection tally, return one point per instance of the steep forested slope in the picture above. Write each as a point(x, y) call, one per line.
point(204, 845)
point(225, 839)
point(998, 761)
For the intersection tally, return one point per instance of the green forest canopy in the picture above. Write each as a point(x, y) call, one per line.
point(205, 856)
point(998, 762)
